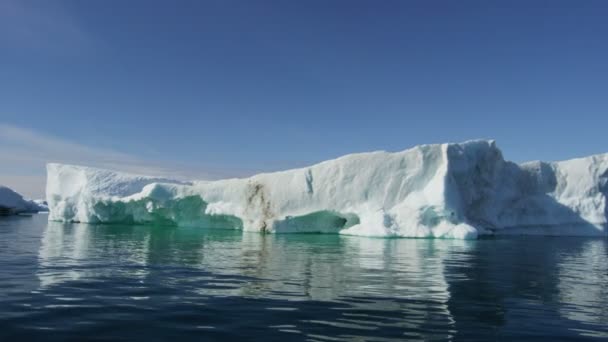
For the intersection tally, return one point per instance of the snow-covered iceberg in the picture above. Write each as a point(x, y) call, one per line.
point(442, 190)
point(13, 203)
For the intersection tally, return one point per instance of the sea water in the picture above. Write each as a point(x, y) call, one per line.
point(153, 283)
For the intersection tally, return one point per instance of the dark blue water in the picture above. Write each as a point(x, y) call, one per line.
point(75, 282)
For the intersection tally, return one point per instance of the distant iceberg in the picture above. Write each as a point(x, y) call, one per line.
point(13, 203)
point(441, 191)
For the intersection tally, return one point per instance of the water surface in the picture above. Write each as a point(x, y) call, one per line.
point(75, 281)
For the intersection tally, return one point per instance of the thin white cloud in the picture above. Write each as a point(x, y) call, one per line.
point(24, 154)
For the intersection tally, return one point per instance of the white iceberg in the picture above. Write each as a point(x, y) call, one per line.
point(13, 203)
point(43, 206)
point(442, 190)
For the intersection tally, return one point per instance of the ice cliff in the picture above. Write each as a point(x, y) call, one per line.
point(444, 190)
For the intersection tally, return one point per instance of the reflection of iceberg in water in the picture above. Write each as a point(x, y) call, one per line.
point(78, 251)
point(305, 267)
point(413, 271)
point(313, 284)
point(579, 276)
point(367, 283)
point(398, 282)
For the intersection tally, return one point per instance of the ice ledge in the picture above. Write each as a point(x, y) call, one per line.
point(443, 191)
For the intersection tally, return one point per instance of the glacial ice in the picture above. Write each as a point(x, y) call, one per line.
point(13, 203)
point(441, 190)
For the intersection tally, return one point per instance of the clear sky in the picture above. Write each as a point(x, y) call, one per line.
point(229, 88)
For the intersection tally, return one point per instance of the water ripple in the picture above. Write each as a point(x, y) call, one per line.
point(156, 283)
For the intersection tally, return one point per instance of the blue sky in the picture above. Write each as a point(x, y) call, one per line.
point(229, 88)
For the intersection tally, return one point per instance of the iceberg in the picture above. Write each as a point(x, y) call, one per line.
point(442, 191)
point(42, 204)
point(12, 202)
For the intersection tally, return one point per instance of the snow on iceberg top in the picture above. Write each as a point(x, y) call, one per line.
point(441, 190)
